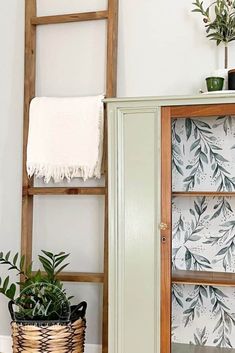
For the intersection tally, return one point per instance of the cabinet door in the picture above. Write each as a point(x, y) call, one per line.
point(134, 239)
point(200, 153)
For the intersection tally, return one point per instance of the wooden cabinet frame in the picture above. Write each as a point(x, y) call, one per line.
point(167, 114)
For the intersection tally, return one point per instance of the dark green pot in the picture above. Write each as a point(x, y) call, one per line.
point(214, 83)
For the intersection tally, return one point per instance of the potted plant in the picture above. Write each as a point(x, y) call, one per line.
point(219, 20)
point(42, 318)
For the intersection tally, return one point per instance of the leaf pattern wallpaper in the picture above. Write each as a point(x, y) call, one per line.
point(203, 153)
point(203, 229)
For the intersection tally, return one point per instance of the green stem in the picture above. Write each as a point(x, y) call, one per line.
point(226, 55)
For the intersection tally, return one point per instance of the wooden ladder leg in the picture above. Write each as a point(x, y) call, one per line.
point(112, 41)
point(111, 89)
point(29, 93)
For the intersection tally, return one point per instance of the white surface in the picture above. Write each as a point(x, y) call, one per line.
point(220, 92)
point(6, 346)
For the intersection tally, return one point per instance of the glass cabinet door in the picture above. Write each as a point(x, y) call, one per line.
point(198, 199)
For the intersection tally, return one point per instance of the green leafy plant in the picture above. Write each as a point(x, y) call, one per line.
point(219, 20)
point(38, 295)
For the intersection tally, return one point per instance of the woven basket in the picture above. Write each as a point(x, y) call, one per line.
point(57, 338)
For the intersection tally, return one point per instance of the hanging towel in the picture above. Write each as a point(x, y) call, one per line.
point(65, 138)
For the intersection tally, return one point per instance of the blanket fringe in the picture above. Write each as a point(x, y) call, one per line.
point(59, 173)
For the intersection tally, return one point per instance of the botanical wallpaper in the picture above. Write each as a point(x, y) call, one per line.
point(203, 229)
point(203, 154)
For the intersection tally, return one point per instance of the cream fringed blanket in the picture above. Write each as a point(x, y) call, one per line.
point(65, 138)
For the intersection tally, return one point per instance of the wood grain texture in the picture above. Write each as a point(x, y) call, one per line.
point(75, 17)
point(65, 191)
point(166, 233)
point(111, 91)
point(28, 190)
point(206, 110)
point(29, 92)
point(83, 277)
point(202, 193)
point(112, 41)
point(204, 278)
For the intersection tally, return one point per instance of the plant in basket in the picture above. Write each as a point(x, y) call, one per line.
point(42, 318)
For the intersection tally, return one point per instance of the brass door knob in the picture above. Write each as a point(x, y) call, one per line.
point(163, 226)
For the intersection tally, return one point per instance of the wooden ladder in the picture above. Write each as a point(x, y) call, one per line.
point(29, 191)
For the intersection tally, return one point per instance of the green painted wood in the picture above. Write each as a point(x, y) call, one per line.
point(134, 262)
point(175, 100)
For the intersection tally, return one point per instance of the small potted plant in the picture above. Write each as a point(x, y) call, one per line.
point(42, 318)
point(219, 20)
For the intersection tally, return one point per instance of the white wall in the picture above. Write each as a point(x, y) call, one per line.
point(11, 105)
point(162, 51)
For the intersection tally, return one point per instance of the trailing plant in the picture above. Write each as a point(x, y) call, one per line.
point(37, 295)
point(219, 20)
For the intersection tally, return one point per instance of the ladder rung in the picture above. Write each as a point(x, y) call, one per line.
point(88, 277)
point(64, 191)
point(76, 17)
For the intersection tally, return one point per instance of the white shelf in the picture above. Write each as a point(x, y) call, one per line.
point(190, 348)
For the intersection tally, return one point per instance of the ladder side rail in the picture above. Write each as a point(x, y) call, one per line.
point(111, 91)
point(29, 93)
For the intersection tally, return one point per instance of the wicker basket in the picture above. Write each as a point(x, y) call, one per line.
point(57, 338)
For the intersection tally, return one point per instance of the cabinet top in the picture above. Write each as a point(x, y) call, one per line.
point(206, 98)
